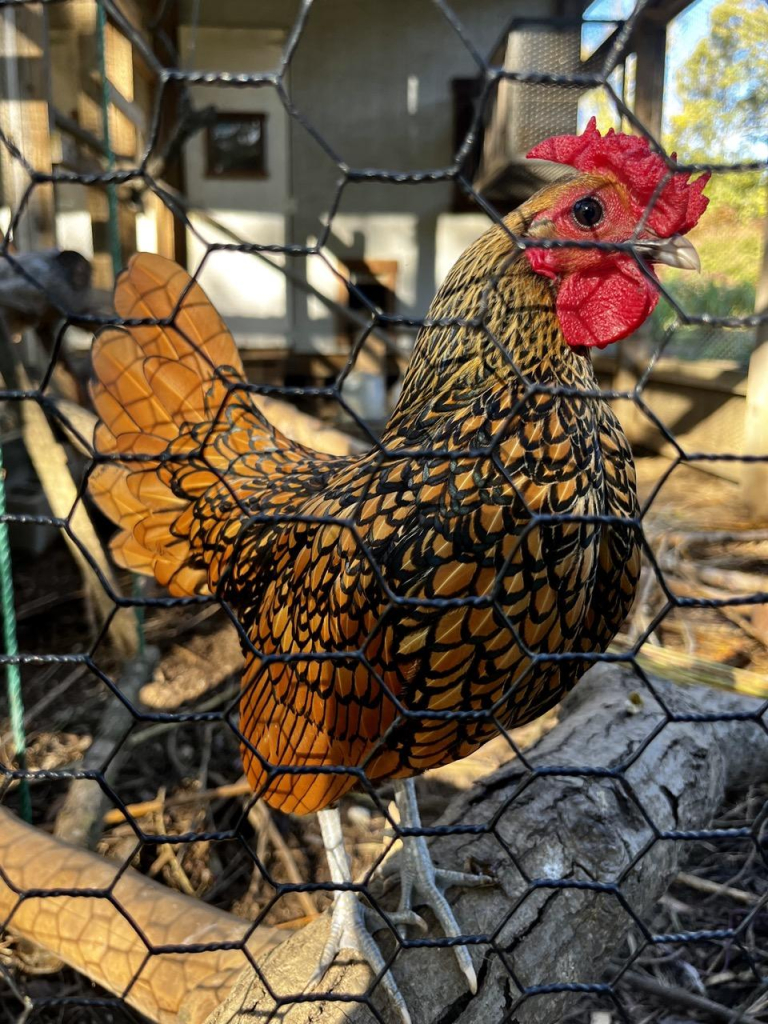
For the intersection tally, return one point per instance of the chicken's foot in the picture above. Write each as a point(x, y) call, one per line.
point(348, 927)
point(421, 884)
point(421, 878)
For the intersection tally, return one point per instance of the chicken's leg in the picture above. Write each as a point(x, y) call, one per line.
point(420, 876)
point(348, 928)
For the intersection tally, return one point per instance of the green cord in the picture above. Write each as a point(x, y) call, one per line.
point(12, 671)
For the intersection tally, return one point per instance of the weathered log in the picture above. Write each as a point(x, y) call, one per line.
point(580, 853)
point(43, 287)
point(545, 833)
point(107, 933)
point(49, 460)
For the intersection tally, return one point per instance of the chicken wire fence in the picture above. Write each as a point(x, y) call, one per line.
point(577, 931)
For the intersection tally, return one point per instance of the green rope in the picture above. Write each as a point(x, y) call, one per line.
point(114, 231)
point(12, 671)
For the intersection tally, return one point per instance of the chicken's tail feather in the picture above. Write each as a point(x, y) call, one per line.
point(172, 426)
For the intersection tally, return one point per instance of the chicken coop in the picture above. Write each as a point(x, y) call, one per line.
point(317, 168)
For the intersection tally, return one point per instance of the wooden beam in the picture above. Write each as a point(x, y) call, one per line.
point(755, 474)
point(651, 51)
point(89, 118)
point(663, 11)
point(132, 110)
point(171, 230)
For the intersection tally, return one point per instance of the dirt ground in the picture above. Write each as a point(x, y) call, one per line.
point(198, 669)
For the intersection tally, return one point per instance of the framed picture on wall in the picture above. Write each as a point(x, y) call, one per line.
point(236, 146)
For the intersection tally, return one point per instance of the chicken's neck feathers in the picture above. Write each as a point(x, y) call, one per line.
point(491, 332)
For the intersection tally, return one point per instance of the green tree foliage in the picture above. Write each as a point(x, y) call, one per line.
point(723, 92)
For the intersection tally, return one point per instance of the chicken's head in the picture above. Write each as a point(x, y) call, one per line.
point(625, 193)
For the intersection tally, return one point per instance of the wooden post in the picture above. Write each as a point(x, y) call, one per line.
point(171, 230)
point(651, 52)
point(24, 120)
point(89, 116)
point(755, 474)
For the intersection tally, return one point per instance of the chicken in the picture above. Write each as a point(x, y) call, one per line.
point(398, 607)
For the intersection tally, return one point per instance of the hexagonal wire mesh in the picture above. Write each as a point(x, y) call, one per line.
point(431, 585)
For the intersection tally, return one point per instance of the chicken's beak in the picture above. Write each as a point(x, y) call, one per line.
point(674, 252)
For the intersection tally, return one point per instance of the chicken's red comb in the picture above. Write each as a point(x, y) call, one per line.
point(677, 206)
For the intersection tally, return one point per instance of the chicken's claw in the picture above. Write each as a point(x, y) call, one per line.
point(422, 880)
point(349, 931)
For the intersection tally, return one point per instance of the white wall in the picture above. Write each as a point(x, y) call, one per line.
point(74, 229)
point(373, 77)
point(249, 293)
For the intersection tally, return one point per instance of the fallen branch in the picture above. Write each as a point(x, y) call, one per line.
point(733, 581)
point(202, 796)
point(710, 888)
point(261, 820)
point(81, 817)
point(682, 997)
point(691, 670)
point(106, 934)
point(710, 538)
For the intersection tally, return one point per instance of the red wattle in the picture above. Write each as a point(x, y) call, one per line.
point(598, 306)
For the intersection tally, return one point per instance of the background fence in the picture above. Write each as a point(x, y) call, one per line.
point(318, 167)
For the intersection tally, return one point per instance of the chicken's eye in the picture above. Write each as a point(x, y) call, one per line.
point(588, 212)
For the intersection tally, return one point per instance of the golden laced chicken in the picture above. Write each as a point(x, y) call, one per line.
point(402, 605)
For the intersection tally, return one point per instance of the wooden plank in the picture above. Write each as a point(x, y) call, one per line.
point(661, 13)
point(171, 230)
point(89, 116)
point(755, 475)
